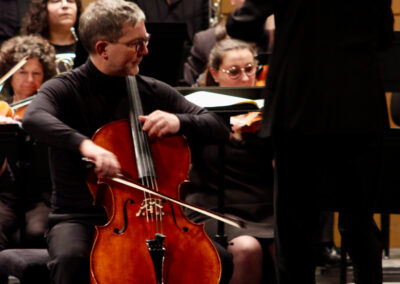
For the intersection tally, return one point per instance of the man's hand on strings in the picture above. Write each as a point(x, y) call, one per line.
point(159, 124)
point(106, 163)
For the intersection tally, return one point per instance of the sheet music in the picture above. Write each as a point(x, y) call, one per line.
point(215, 100)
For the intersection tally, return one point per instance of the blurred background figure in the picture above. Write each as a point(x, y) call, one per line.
point(194, 13)
point(24, 183)
point(248, 190)
point(11, 15)
point(53, 20)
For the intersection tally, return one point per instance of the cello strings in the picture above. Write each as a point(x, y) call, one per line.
point(135, 131)
point(144, 159)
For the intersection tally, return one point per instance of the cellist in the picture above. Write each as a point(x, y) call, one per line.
point(70, 108)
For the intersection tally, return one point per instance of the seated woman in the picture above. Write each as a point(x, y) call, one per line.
point(24, 182)
point(53, 20)
point(248, 190)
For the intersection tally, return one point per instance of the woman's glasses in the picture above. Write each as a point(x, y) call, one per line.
point(235, 72)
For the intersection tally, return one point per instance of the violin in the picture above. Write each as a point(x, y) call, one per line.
point(13, 114)
point(245, 123)
point(18, 108)
point(6, 109)
point(15, 110)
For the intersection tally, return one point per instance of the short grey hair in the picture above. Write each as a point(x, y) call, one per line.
point(104, 20)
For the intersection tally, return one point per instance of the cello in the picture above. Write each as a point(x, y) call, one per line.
point(147, 239)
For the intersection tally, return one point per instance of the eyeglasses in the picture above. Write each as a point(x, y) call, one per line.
point(235, 72)
point(137, 44)
point(61, 1)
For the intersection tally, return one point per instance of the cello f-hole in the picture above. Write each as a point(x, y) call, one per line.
point(123, 229)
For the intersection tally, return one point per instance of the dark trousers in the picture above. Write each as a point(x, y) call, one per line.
point(31, 220)
point(69, 249)
point(315, 173)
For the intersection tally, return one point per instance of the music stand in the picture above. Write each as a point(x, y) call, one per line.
point(244, 92)
point(11, 139)
point(166, 48)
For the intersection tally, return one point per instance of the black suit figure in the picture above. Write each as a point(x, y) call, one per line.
point(325, 110)
point(192, 12)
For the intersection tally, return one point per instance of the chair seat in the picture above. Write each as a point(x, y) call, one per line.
point(28, 265)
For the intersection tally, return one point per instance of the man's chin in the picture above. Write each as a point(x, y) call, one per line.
point(133, 71)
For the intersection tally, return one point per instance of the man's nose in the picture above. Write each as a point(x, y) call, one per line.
point(143, 50)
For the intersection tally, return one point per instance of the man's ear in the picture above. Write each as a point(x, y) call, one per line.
point(214, 74)
point(101, 48)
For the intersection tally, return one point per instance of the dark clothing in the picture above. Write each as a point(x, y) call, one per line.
point(196, 63)
point(24, 203)
point(72, 107)
point(69, 109)
point(310, 179)
point(11, 15)
point(395, 107)
point(325, 109)
point(25, 189)
point(194, 13)
point(8, 19)
point(76, 256)
point(23, 225)
point(320, 68)
point(248, 190)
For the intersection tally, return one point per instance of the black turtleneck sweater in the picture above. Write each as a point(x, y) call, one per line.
point(71, 107)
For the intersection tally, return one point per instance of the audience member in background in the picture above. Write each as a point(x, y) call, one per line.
point(194, 13)
point(53, 20)
point(248, 190)
point(25, 187)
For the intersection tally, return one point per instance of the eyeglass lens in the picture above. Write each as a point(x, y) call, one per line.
point(141, 43)
point(234, 72)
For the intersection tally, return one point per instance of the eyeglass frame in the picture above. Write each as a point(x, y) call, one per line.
point(226, 71)
point(137, 44)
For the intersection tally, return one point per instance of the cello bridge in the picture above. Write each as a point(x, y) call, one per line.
point(150, 206)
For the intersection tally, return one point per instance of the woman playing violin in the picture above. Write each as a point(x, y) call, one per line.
point(71, 107)
point(24, 191)
point(248, 190)
point(40, 66)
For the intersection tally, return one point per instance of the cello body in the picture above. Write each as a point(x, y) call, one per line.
point(120, 253)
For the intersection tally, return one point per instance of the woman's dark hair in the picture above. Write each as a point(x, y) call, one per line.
point(33, 46)
point(36, 19)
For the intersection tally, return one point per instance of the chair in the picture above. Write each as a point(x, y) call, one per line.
point(28, 265)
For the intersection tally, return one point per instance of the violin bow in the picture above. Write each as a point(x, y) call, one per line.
point(12, 71)
point(121, 179)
